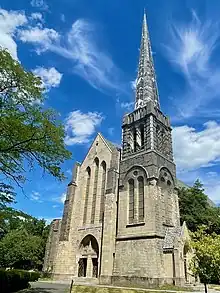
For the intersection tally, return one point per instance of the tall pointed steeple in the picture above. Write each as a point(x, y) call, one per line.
point(146, 87)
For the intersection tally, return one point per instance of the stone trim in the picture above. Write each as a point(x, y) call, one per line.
point(135, 224)
point(137, 237)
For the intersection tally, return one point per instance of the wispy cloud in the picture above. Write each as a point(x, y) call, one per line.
point(40, 4)
point(35, 196)
point(80, 45)
point(80, 126)
point(191, 50)
point(128, 106)
point(59, 199)
point(43, 38)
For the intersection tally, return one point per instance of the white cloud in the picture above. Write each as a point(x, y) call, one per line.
point(50, 77)
point(191, 49)
point(133, 84)
point(194, 149)
point(80, 126)
point(63, 197)
point(80, 45)
point(209, 179)
point(10, 21)
point(90, 62)
point(44, 38)
point(69, 172)
point(59, 199)
point(41, 4)
point(128, 106)
point(62, 17)
point(36, 16)
point(35, 196)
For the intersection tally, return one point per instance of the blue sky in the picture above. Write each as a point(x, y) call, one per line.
point(87, 54)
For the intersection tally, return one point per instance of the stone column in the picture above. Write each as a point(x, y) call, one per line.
point(89, 269)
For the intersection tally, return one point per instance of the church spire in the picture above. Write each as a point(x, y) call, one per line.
point(146, 87)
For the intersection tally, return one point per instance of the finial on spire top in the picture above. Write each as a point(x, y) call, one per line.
point(146, 88)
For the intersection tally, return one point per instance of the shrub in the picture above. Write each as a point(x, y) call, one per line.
point(14, 280)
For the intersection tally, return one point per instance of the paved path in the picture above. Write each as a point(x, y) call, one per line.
point(47, 287)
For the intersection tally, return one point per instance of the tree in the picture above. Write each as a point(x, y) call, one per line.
point(30, 134)
point(11, 219)
point(206, 259)
point(23, 239)
point(18, 249)
point(196, 211)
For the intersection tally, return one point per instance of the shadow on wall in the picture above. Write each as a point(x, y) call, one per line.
point(46, 290)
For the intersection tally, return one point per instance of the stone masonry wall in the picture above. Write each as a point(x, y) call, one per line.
point(52, 245)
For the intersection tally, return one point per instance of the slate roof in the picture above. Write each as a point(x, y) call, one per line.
point(110, 144)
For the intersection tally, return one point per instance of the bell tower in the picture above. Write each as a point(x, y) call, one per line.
point(147, 198)
point(146, 129)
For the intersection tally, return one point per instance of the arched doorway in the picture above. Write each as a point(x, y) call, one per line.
point(88, 261)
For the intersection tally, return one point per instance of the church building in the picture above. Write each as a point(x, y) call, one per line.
point(121, 222)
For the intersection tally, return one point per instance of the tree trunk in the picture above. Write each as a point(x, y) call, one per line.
point(206, 289)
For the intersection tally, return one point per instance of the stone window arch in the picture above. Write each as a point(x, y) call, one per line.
point(131, 200)
point(166, 183)
point(88, 177)
point(140, 198)
point(102, 199)
point(95, 185)
point(135, 181)
point(165, 178)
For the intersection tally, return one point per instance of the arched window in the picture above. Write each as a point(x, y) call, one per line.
point(141, 199)
point(88, 171)
point(131, 200)
point(102, 200)
point(166, 184)
point(95, 190)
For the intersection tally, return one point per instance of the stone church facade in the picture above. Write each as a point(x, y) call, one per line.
point(121, 222)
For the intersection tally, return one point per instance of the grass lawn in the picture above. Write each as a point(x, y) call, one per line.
point(93, 289)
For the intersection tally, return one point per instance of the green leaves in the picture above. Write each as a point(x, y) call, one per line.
point(196, 211)
point(18, 248)
point(23, 239)
point(206, 259)
point(29, 134)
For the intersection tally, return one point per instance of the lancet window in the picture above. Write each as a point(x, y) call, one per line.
point(95, 190)
point(102, 200)
point(88, 173)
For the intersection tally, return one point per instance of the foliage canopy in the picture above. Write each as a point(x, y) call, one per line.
point(196, 211)
point(30, 134)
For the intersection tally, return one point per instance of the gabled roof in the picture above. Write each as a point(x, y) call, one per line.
point(110, 144)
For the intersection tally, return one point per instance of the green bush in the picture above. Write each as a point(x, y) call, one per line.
point(14, 280)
